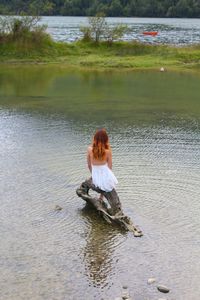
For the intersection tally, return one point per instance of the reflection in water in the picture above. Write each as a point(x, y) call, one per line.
point(101, 242)
point(139, 97)
point(24, 81)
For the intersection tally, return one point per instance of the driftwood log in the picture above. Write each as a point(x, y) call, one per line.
point(114, 214)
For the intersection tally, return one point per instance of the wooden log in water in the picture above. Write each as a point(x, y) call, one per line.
point(114, 214)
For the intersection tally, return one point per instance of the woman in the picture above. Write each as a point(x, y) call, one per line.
point(99, 159)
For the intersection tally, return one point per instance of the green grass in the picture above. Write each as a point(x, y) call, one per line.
point(121, 55)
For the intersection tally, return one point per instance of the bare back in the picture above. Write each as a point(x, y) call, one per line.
point(91, 161)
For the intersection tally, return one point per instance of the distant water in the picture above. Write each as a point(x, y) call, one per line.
point(170, 31)
point(48, 115)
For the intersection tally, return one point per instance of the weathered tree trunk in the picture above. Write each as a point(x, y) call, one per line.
point(112, 214)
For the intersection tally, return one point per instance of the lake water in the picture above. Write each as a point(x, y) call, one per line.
point(170, 31)
point(47, 118)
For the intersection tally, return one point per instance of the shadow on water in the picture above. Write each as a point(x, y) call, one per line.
point(101, 243)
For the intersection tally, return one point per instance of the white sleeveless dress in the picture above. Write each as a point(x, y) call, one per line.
point(103, 177)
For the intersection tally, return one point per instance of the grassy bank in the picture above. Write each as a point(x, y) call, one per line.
point(128, 55)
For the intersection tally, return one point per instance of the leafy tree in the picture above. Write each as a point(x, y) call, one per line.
point(171, 12)
point(183, 9)
point(133, 8)
point(97, 26)
point(99, 29)
point(116, 8)
point(37, 7)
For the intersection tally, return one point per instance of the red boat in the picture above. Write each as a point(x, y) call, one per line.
point(152, 33)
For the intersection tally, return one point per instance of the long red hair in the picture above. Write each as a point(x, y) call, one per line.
point(100, 144)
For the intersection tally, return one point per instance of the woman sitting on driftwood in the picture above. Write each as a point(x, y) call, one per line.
point(99, 159)
point(103, 181)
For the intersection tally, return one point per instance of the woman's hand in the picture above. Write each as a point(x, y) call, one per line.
point(109, 159)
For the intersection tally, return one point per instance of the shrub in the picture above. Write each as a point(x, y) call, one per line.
point(116, 32)
point(87, 35)
point(96, 28)
point(99, 29)
point(21, 28)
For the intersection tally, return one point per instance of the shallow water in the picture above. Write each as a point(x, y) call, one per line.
point(170, 30)
point(47, 118)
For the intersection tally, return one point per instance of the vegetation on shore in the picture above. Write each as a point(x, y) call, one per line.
point(128, 55)
point(26, 42)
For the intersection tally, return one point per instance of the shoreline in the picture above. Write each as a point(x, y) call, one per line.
point(121, 56)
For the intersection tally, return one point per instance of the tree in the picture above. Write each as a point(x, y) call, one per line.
point(115, 9)
point(38, 7)
point(183, 9)
point(97, 26)
point(99, 29)
point(171, 12)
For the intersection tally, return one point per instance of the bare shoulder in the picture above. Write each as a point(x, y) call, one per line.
point(89, 149)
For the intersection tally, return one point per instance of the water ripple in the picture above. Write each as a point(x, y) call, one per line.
point(73, 253)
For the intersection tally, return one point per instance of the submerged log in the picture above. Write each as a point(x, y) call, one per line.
point(114, 214)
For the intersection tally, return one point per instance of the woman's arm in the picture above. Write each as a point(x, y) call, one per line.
point(89, 159)
point(109, 159)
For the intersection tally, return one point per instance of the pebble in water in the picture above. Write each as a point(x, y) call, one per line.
point(125, 293)
point(126, 297)
point(125, 287)
point(58, 207)
point(163, 289)
point(151, 280)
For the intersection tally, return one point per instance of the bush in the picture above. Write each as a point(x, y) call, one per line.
point(116, 32)
point(99, 29)
point(96, 28)
point(87, 35)
point(21, 28)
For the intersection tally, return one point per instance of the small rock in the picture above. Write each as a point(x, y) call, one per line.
point(124, 287)
point(125, 296)
point(58, 207)
point(151, 280)
point(163, 289)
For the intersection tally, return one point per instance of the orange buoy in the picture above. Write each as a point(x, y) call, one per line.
point(152, 33)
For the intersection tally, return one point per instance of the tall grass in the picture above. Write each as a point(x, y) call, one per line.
point(22, 37)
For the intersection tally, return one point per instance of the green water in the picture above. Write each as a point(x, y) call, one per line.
point(48, 115)
point(140, 97)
